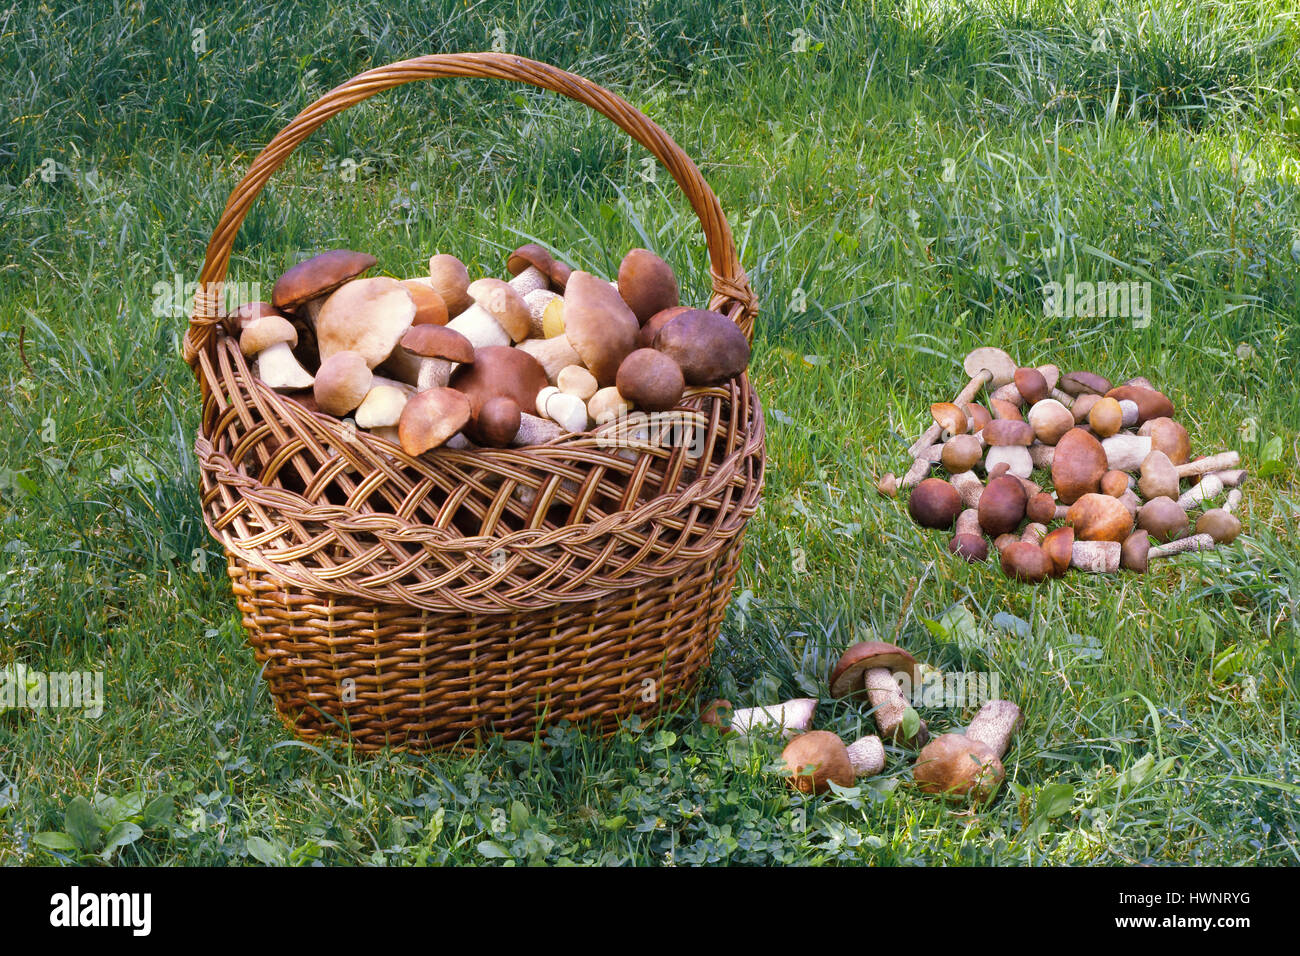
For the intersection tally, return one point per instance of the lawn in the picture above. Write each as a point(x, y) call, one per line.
point(902, 177)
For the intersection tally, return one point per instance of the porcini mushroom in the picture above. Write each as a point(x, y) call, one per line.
point(305, 286)
point(1077, 465)
point(1050, 420)
point(440, 349)
point(934, 503)
point(985, 366)
point(342, 382)
point(1098, 517)
point(497, 316)
point(651, 380)
point(817, 759)
point(450, 279)
point(380, 411)
point(707, 346)
point(1164, 518)
point(431, 417)
point(647, 284)
point(1002, 505)
point(1169, 437)
point(969, 766)
point(599, 331)
point(271, 338)
point(871, 666)
point(367, 316)
point(1159, 476)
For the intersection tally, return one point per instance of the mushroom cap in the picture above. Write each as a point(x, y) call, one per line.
point(849, 674)
point(1114, 483)
point(647, 284)
point(261, 333)
point(1041, 508)
point(429, 307)
point(1098, 517)
point(708, 346)
point(500, 370)
point(317, 276)
point(438, 341)
point(1077, 465)
point(1050, 420)
point(1026, 561)
point(576, 380)
point(1085, 383)
point(1133, 552)
point(600, 326)
point(996, 361)
point(934, 504)
point(959, 768)
point(497, 422)
point(971, 547)
point(949, 417)
point(1002, 505)
point(450, 279)
point(646, 337)
point(1164, 518)
point(1169, 437)
point(499, 299)
point(1223, 526)
point(1151, 404)
point(1005, 432)
point(1083, 405)
point(1058, 545)
point(979, 416)
point(718, 714)
point(367, 316)
point(816, 759)
point(430, 418)
point(530, 254)
point(1106, 417)
point(1002, 409)
point(1159, 477)
point(342, 382)
point(961, 453)
point(381, 408)
point(1031, 385)
point(241, 316)
point(650, 380)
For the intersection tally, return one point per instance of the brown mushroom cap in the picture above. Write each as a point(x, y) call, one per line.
point(1002, 505)
point(1159, 477)
point(961, 453)
point(1058, 545)
point(1223, 526)
point(979, 416)
point(650, 380)
point(816, 759)
point(1085, 383)
point(1002, 409)
point(1133, 552)
point(647, 284)
point(1098, 517)
point(934, 504)
point(1114, 483)
point(369, 316)
point(1050, 420)
point(708, 346)
point(1151, 404)
point(1169, 437)
point(438, 341)
point(1026, 561)
point(429, 307)
point(1031, 385)
point(600, 326)
point(318, 276)
point(1077, 465)
point(958, 768)
point(1164, 518)
point(1106, 417)
point(970, 547)
point(850, 672)
point(238, 318)
point(993, 360)
point(646, 337)
point(1082, 406)
point(430, 418)
point(497, 422)
point(1003, 432)
point(450, 279)
point(530, 254)
point(718, 714)
point(342, 382)
point(949, 418)
point(261, 333)
point(1041, 508)
point(500, 370)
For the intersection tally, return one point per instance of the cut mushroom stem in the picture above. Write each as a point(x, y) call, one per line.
point(1233, 502)
point(278, 367)
point(534, 430)
point(1207, 489)
point(1232, 477)
point(995, 725)
point(1196, 542)
point(789, 718)
point(1203, 466)
point(567, 411)
point(867, 755)
point(1096, 557)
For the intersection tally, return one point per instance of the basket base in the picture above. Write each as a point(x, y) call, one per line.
point(392, 676)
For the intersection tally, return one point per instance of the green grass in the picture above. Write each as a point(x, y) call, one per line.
point(1112, 140)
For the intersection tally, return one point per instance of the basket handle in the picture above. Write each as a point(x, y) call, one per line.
point(731, 290)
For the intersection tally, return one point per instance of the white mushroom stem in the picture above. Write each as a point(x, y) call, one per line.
point(890, 705)
point(1042, 455)
point(1033, 533)
point(434, 373)
point(968, 522)
point(537, 300)
point(1097, 557)
point(567, 411)
point(790, 718)
point(1126, 452)
point(1210, 487)
point(919, 471)
point(277, 367)
point(477, 325)
point(1064, 399)
point(1017, 458)
point(1197, 542)
point(1232, 477)
point(1129, 412)
point(1233, 502)
point(535, 431)
point(553, 354)
point(867, 756)
point(969, 487)
point(459, 442)
point(995, 725)
point(530, 280)
point(1203, 466)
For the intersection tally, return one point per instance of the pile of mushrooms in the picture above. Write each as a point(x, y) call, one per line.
point(957, 766)
point(442, 360)
point(1108, 465)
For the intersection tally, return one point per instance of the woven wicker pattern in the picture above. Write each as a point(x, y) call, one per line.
point(414, 602)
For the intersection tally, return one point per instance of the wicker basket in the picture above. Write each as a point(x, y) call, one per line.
point(416, 603)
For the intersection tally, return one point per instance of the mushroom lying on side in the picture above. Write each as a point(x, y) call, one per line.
point(498, 315)
point(817, 759)
point(870, 666)
point(969, 766)
point(304, 287)
point(790, 717)
point(367, 316)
